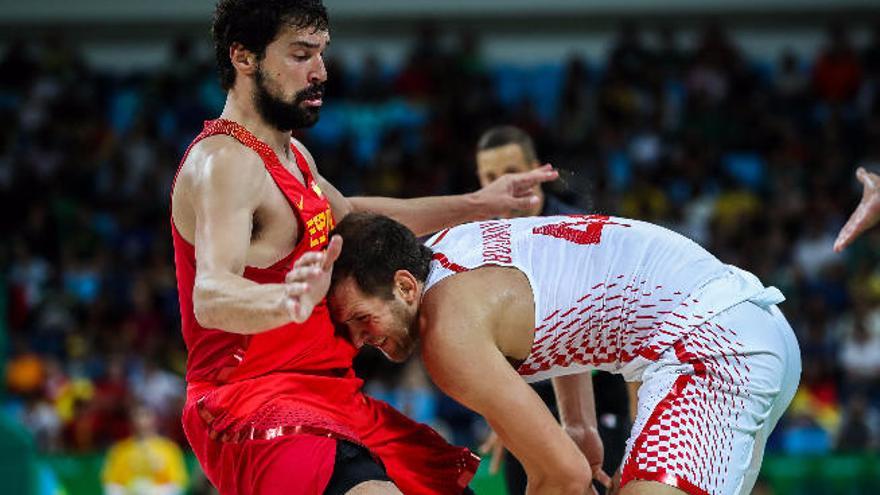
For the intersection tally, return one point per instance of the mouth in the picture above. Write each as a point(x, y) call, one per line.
point(376, 342)
point(314, 102)
point(313, 97)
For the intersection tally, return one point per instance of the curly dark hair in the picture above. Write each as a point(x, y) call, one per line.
point(256, 23)
point(374, 247)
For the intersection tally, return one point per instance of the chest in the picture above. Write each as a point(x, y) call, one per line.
point(288, 214)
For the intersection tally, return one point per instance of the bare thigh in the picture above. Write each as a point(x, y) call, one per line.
point(374, 488)
point(639, 487)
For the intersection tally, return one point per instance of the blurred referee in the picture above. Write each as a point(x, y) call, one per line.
point(506, 150)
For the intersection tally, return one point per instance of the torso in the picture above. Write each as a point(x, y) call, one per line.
point(605, 291)
point(276, 228)
point(289, 217)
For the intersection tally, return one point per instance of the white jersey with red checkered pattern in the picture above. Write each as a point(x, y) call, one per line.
point(610, 293)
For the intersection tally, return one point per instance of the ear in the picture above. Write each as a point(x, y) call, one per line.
point(406, 285)
point(244, 60)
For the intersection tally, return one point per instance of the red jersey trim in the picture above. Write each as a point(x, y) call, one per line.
point(445, 263)
point(667, 479)
point(439, 237)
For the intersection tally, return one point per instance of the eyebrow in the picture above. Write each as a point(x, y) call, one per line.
point(354, 314)
point(308, 44)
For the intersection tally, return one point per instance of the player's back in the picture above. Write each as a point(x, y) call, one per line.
point(610, 293)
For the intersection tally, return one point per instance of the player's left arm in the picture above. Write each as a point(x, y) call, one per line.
point(426, 215)
point(464, 361)
point(577, 413)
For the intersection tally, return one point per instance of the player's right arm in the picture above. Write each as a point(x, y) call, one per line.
point(866, 215)
point(464, 361)
point(224, 187)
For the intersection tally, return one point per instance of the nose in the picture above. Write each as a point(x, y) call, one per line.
point(319, 71)
point(359, 338)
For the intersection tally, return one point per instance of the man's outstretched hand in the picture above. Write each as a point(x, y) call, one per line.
point(308, 281)
point(513, 192)
point(867, 213)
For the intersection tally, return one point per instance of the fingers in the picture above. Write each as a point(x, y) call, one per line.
point(334, 248)
point(323, 260)
point(494, 448)
point(295, 310)
point(302, 274)
point(529, 179)
point(526, 203)
point(857, 223)
point(296, 289)
point(495, 465)
point(845, 237)
point(488, 444)
point(305, 266)
point(615, 483)
point(312, 264)
point(868, 179)
point(867, 213)
point(602, 477)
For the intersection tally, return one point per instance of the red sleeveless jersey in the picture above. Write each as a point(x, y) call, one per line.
point(298, 378)
point(219, 356)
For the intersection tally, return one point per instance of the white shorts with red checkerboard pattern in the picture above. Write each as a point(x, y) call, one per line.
point(707, 405)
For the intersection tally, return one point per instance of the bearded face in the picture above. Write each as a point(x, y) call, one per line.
point(299, 112)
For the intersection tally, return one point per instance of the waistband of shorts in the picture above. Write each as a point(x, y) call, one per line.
point(248, 430)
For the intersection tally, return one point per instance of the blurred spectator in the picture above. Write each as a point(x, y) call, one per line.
point(837, 73)
point(372, 87)
point(858, 431)
point(158, 389)
point(575, 113)
point(803, 436)
point(25, 372)
point(42, 420)
point(145, 463)
point(790, 81)
point(715, 57)
point(860, 359)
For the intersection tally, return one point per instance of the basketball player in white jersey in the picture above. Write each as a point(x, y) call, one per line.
point(496, 304)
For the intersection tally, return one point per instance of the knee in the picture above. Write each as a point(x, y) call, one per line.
point(374, 488)
point(640, 487)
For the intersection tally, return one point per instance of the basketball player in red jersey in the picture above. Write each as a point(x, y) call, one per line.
point(867, 214)
point(272, 403)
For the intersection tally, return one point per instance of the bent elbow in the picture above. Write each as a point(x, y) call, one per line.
point(204, 311)
point(204, 316)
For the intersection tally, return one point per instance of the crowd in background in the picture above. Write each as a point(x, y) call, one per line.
point(753, 159)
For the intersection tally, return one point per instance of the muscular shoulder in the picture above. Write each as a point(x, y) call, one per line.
point(221, 162)
point(491, 302)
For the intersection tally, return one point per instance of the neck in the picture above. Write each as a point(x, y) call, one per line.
point(240, 108)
